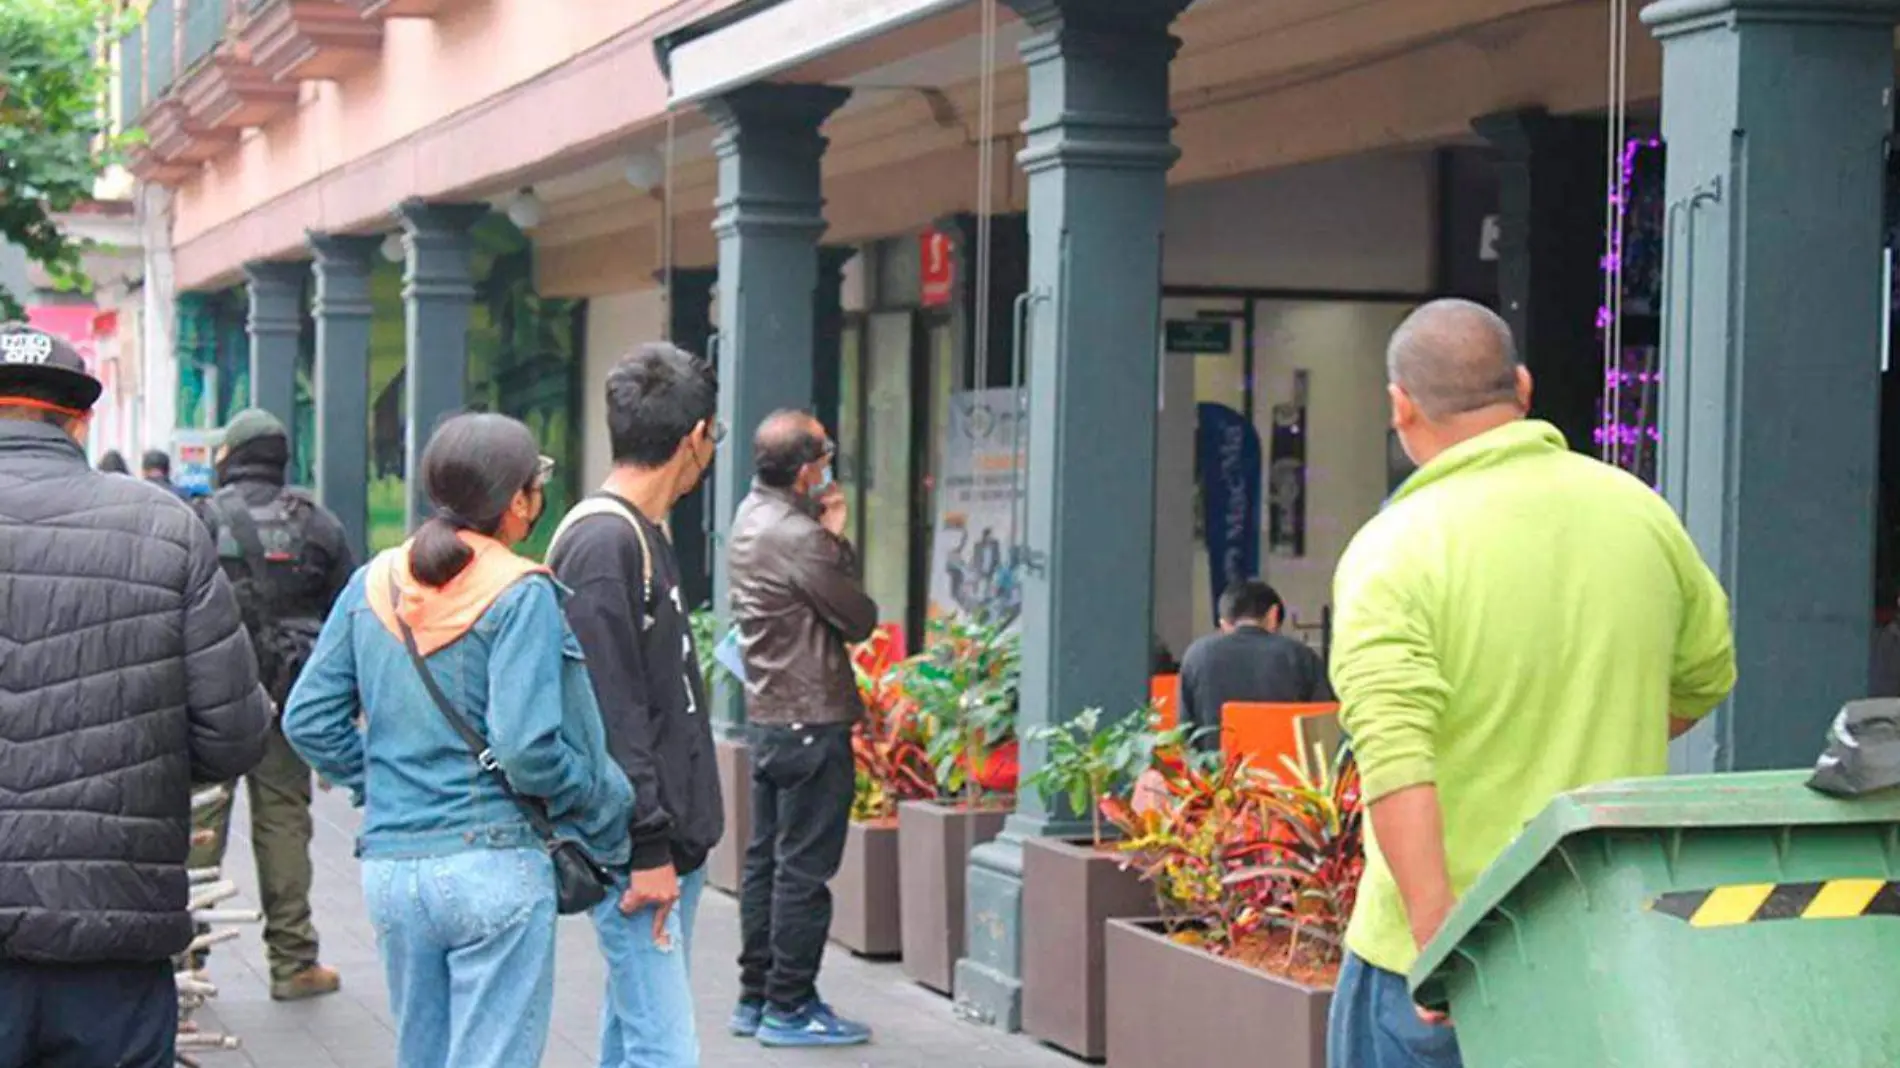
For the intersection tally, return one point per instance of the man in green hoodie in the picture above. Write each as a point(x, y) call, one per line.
point(1519, 621)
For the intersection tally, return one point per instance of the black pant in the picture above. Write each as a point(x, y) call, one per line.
point(802, 782)
point(87, 1015)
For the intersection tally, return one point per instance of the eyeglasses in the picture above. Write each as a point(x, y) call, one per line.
point(831, 449)
point(543, 472)
point(715, 431)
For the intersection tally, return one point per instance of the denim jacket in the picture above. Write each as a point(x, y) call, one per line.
point(517, 674)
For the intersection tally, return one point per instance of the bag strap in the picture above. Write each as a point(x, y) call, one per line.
point(229, 506)
point(484, 754)
point(606, 505)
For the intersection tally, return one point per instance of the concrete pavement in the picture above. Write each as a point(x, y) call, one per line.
point(915, 1028)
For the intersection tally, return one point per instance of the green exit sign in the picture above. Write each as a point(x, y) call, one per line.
point(1200, 336)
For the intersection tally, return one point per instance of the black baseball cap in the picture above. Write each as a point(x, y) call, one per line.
point(43, 370)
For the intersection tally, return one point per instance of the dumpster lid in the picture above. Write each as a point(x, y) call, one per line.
point(1736, 799)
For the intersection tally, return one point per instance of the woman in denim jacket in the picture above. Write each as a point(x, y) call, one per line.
point(458, 884)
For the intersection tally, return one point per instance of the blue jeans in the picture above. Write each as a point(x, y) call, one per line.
point(1373, 1024)
point(467, 941)
point(648, 1018)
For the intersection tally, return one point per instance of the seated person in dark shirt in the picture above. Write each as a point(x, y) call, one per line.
point(1249, 660)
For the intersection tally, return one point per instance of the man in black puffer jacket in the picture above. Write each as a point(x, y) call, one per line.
point(124, 678)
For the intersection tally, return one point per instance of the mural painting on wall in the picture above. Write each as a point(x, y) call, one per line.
point(1227, 462)
point(524, 356)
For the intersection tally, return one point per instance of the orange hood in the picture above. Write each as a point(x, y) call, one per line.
point(439, 617)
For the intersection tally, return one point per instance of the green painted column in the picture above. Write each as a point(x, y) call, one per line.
point(1097, 156)
point(689, 306)
point(275, 326)
point(438, 294)
point(770, 214)
point(1775, 113)
point(343, 312)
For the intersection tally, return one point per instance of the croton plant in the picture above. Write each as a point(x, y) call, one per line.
point(939, 725)
point(1232, 850)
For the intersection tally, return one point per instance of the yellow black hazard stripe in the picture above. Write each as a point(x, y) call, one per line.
point(1834, 899)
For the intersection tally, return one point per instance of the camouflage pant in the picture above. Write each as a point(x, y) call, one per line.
point(280, 839)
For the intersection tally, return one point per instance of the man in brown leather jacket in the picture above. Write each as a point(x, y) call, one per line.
point(798, 603)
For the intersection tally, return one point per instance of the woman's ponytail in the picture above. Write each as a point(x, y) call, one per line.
point(437, 554)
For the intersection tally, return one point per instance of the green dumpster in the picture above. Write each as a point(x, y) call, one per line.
point(1714, 921)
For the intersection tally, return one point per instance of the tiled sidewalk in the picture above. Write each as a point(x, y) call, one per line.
point(352, 1030)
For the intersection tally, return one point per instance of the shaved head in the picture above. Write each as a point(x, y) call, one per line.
point(1453, 357)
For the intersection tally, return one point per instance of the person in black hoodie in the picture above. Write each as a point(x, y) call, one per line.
point(636, 634)
point(288, 560)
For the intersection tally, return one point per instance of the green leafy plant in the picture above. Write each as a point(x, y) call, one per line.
point(53, 126)
point(1086, 763)
point(706, 636)
point(965, 687)
point(888, 744)
point(1232, 852)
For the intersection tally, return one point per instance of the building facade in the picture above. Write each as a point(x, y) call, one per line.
point(1173, 235)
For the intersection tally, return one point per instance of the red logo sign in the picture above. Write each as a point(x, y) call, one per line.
point(939, 269)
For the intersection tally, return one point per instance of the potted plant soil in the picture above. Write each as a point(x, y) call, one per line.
point(1255, 877)
point(1071, 888)
point(892, 767)
point(964, 691)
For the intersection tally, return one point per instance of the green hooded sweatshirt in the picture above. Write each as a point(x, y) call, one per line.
point(1518, 622)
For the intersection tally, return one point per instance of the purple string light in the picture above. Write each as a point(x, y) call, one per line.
point(1633, 439)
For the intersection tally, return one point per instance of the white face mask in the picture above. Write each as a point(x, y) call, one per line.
point(823, 483)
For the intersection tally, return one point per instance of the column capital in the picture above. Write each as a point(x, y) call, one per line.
point(427, 218)
point(275, 292)
point(1667, 18)
point(437, 244)
point(344, 251)
point(1126, 16)
point(770, 153)
point(343, 266)
point(772, 107)
point(1108, 64)
point(276, 275)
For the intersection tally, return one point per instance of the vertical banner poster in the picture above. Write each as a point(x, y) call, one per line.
point(1286, 531)
point(976, 556)
point(1227, 465)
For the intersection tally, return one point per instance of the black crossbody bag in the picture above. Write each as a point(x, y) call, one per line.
point(579, 883)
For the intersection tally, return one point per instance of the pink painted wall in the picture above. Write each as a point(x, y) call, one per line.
point(420, 119)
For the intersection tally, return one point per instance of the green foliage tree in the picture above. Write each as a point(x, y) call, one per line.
point(53, 126)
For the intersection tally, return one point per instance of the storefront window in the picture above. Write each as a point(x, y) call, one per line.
point(887, 463)
point(524, 359)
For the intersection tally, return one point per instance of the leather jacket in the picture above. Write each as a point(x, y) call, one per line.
point(798, 602)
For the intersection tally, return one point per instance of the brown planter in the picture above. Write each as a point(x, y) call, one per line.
point(726, 865)
point(1070, 891)
point(1171, 1005)
point(933, 845)
point(865, 907)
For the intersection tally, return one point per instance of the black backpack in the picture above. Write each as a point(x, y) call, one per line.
point(264, 551)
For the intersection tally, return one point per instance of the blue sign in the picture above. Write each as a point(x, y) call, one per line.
point(1227, 466)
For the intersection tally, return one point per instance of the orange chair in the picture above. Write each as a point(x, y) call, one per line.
point(1263, 732)
point(1164, 693)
